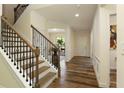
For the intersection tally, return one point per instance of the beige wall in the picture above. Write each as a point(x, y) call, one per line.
point(69, 43)
point(0, 9)
point(8, 12)
point(120, 46)
point(8, 78)
point(82, 43)
point(0, 21)
point(39, 22)
point(23, 24)
point(100, 37)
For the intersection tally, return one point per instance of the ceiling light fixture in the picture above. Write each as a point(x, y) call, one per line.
point(78, 7)
point(77, 15)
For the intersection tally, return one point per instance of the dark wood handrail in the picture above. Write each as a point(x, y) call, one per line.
point(44, 36)
point(18, 34)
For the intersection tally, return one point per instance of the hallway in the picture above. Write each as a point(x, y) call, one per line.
point(78, 73)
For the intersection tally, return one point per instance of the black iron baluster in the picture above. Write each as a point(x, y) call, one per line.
point(32, 68)
point(20, 55)
point(23, 63)
point(4, 36)
point(7, 39)
point(12, 53)
point(26, 60)
point(14, 49)
point(2, 27)
point(18, 60)
point(30, 62)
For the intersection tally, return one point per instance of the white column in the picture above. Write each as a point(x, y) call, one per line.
point(100, 37)
point(120, 46)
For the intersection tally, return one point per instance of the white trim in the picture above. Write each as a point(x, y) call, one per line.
point(96, 62)
point(95, 67)
point(19, 75)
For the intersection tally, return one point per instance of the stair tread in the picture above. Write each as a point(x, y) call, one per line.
point(46, 78)
point(41, 70)
point(26, 66)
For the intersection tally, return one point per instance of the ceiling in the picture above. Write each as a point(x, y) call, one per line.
point(65, 13)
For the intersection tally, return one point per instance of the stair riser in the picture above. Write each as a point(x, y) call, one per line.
point(42, 74)
point(49, 82)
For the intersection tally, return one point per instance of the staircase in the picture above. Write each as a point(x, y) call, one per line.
point(19, 10)
point(37, 64)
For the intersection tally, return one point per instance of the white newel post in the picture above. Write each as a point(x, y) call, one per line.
point(0, 21)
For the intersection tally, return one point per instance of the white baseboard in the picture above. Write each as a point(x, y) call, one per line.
point(14, 70)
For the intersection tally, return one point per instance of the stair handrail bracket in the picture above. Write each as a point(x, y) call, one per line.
point(21, 52)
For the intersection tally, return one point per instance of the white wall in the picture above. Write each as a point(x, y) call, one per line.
point(39, 22)
point(69, 44)
point(100, 46)
point(8, 78)
point(8, 12)
point(82, 43)
point(23, 24)
point(113, 19)
point(120, 46)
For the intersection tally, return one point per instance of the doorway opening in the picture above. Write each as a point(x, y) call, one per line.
point(57, 36)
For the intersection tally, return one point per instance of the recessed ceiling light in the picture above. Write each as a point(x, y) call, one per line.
point(77, 15)
point(56, 30)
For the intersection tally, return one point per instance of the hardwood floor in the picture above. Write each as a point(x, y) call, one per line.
point(78, 73)
point(113, 78)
